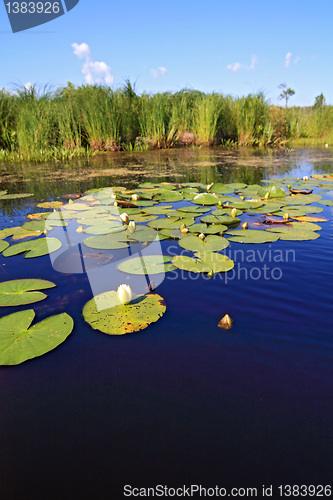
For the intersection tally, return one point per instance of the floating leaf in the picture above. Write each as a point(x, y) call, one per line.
point(41, 225)
point(14, 196)
point(146, 234)
point(220, 188)
point(105, 242)
point(105, 228)
point(51, 204)
point(22, 292)
point(223, 219)
point(33, 248)
point(211, 242)
point(171, 223)
point(273, 190)
point(205, 199)
point(194, 210)
point(252, 236)
point(203, 263)
point(294, 234)
point(328, 203)
point(310, 219)
point(106, 314)
point(158, 210)
point(146, 264)
point(19, 343)
point(168, 196)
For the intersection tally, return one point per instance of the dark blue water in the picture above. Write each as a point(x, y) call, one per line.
point(182, 402)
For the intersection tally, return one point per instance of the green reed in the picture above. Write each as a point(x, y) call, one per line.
point(40, 124)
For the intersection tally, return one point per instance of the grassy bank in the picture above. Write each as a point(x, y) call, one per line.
point(72, 122)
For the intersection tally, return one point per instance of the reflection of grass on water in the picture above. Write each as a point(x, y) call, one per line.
point(73, 122)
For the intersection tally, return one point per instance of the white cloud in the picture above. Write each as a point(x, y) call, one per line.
point(238, 66)
point(81, 50)
point(287, 61)
point(234, 67)
point(94, 71)
point(254, 63)
point(159, 71)
point(28, 85)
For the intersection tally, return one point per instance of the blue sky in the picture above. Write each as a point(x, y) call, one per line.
point(233, 47)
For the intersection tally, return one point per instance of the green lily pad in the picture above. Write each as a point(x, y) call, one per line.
point(19, 343)
point(198, 228)
point(251, 236)
point(14, 196)
point(328, 203)
point(22, 292)
point(33, 248)
point(274, 191)
point(41, 225)
point(105, 228)
point(195, 210)
point(51, 204)
point(168, 196)
point(105, 242)
point(158, 210)
point(3, 245)
point(223, 219)
point(302, 199)
point(211, 242)
point(220, 188)
point(293, 233)
point(205, 199)
point(203, 263)
point(172, 223)
point(146, 264)
point(106, 314)
point(144, 233)
point(172, 233)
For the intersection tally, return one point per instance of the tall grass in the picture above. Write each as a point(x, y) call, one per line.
point(76, 121)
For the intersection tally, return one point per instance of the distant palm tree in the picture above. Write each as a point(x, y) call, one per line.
point(286, 93)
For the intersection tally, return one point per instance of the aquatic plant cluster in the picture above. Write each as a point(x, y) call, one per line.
point(204, 220)
point(72, 122)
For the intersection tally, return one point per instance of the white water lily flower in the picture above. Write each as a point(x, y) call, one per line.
point(305, 178)
point(233, 212)
point(135, 197)
point(124, 294)
point(124, 217)
point(131, 226)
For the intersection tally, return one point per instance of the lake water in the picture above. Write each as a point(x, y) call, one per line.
point(182, 402)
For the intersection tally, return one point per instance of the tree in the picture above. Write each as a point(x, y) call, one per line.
point(286, 93)
point(319, 101)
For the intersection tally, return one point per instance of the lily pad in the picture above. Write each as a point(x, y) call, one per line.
point(14, 196)
point(105, 242)
point(51, 204)
point(33, 248)
point(22, 292)
point(274, 191)
point(172, 223)
point(106, 314)
point(294, 234)
point(211, 242)
point(328, 203)
point(168, 196)
point(19, 343)
point(252, 236)
point(146, 264)
point(105, 228)
point(3, 245)
point(144, 233)
point(205, 199)
point(203, 263)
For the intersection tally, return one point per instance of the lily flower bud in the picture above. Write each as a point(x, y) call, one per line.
point(124, 294)
point(131, 226)
point(124, 218)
